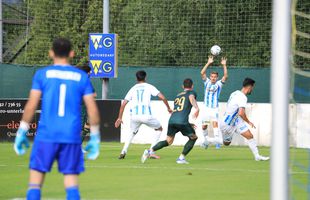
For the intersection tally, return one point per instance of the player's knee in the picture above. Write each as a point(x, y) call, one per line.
point(248, 135)
point(159, 129)
point(169, 142)
point(193, 137)
point(215, 125)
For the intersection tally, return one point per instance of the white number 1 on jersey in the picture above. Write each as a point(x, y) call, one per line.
point(62, 100)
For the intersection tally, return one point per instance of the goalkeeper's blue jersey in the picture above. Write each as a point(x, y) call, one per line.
point(62, 87)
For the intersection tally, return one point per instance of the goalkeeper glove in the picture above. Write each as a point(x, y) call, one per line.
point(93, 144)
point(21, 143)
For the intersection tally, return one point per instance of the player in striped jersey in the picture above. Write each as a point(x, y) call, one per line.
point(212, 91)
point(140, 109)
point(235, 118)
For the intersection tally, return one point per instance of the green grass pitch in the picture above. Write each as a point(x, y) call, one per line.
point(229, 173)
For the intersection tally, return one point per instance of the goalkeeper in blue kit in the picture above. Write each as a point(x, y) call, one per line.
point(62, 88)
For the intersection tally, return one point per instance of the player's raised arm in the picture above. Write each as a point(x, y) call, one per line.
point(204, 69)
point(193, 101)
point(224, 63)
point(242, 114)
point(120, 114)
point(163, 98)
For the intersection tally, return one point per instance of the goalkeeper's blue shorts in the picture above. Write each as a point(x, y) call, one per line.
point(69, 157)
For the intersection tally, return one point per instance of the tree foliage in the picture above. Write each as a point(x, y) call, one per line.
point(158, 32)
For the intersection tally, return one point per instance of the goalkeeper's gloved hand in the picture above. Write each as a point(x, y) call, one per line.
point(93, 144)
point(21, 143)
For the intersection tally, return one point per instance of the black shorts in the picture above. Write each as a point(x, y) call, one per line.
point(185, 129)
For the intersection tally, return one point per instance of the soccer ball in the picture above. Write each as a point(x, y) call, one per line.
point(215, 50)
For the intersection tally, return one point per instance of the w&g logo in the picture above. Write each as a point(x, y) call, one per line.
point(98, 42)
point(99, 66)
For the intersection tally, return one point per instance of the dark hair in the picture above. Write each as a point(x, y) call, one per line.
point(248, 82)
point(85, 68)
point(214, 72)
point(188, 83)
point(141, 75)
point(62, 47)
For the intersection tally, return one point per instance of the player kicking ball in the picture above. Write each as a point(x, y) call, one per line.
point(141, 113)
point(212, 91)
point(62, 88)
point(235, 118)
point(178, 122)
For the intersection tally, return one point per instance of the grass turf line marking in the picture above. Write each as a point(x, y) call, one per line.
point(173, 168)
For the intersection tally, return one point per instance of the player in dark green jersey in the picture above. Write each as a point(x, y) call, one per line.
point(178, 122)
point(85, 123)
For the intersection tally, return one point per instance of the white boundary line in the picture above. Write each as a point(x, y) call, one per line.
point(173, 168)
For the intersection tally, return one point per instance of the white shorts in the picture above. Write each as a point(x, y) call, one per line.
point(228, 131)
point(209, 114)
point(136, 121)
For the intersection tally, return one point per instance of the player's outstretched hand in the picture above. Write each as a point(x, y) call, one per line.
point(210, 59)
point(252, 125)
point(21, 143)
point(93, 146)
point(224, 61)
point(118, 122)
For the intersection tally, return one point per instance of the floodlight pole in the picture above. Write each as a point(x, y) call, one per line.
point(281, 31)
point(106, 29)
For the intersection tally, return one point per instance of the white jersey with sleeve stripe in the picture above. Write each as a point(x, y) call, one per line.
point(212, 93)
point(140, 98)
point(236, 100)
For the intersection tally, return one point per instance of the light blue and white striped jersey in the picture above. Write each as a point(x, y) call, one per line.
point(140, 98)
point(212, 93)
point(236, 100)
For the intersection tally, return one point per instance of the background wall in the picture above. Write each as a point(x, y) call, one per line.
point(15, 81)
point(258, 113)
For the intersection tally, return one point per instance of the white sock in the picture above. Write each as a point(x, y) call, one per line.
point(181, 157)
point(205, 134)
point(253, 147)
point(156, 138)
point(127, 142)
point(218, 136)
point(212, 140)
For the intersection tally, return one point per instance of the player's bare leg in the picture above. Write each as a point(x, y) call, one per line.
point(72, 186)
point(36, 180)
point(253, 146)
point(155, 141)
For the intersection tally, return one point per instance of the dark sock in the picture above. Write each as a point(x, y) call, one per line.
point(160, 145)
point(188, 146)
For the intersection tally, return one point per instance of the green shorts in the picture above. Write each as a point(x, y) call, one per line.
point(185, 129)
